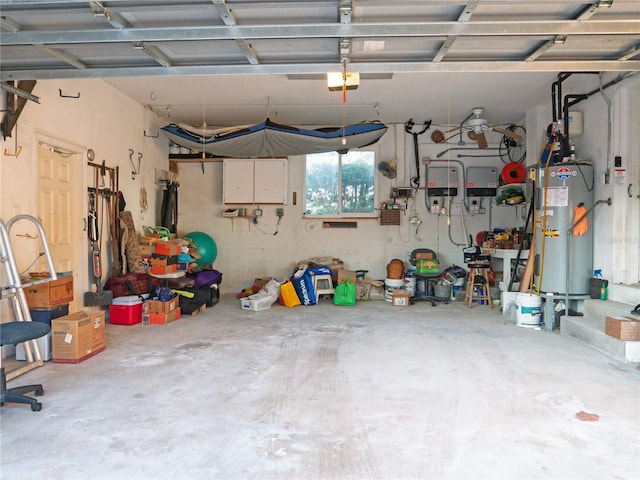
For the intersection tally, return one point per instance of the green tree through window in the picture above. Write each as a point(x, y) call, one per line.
point(340, 184)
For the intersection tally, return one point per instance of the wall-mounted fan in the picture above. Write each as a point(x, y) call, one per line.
point(388, 169)
point(476, 126)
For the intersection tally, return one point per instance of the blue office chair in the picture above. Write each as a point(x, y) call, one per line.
point(12, 333)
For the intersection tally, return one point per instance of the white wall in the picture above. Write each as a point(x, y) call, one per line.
point(111, 123)
point(616, 228)
point(246, 251)
point(102, 119)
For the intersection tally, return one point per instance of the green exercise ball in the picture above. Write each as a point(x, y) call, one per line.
point(207, 248)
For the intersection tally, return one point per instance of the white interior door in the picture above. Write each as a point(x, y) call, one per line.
point(58, 209)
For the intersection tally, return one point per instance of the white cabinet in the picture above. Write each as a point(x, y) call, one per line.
point(254, 181)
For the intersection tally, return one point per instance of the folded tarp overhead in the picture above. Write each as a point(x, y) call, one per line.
point(270, 139)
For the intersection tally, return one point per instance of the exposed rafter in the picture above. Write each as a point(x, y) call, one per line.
point(330, 30)
point(197, 37)
point(464, 16)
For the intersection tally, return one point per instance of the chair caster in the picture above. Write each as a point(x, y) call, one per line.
point(36, 407)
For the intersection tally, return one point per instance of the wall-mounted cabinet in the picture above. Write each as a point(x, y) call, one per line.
point(256, 181)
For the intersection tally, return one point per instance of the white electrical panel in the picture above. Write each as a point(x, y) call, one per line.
point(442, 181)
point(482, 182)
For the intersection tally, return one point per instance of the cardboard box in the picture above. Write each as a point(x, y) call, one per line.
point(163, 269)
point(261, 282)
point(164, 318)
point(50, 294)
point(344, 274)
point(143, 250)
point(424, 256)
point(148, 240)
point(400, 298)
point(157, 259)
point(156, 306)
point(167, 248)
point(77, 336)
point(622, 328)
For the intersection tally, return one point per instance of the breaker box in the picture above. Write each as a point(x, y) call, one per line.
point(442, 181)
point(482, 182)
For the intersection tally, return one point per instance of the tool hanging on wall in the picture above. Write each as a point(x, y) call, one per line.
point(134, 171)
point(408, 127)
point(100, 296)
point(115, 203)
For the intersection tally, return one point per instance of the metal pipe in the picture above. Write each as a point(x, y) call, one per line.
point(461, 148)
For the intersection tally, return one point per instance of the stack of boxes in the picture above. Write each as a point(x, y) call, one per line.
point(164, 312)
point(164, 258)
point(47, 301)
point(74, 337)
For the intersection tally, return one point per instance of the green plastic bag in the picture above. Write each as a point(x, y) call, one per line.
point(345, 294)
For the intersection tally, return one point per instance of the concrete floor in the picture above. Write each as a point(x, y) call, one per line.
point(371, 391)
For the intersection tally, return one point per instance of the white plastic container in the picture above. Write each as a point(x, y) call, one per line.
point(259, 301)
point(528, 310)
point(391, 284)
point(410, 284)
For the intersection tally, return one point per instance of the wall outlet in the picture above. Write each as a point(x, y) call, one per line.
point(257, 212)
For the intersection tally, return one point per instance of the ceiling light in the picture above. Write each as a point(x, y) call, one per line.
point(337, 80)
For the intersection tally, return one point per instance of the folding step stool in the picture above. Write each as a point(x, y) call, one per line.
point(323, 285)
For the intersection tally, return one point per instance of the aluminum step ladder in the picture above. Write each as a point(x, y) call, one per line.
point(14, 288)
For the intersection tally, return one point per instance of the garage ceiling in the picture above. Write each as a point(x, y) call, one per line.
point(238, 61)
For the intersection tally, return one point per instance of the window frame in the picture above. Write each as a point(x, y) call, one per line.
point(341, 215)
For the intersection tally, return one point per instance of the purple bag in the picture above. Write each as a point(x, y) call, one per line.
point(205, 278)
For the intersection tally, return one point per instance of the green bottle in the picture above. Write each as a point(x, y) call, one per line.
point(603, 291)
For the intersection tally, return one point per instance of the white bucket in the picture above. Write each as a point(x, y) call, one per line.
point(410, 284)
point(391, 284)
point(528, 310)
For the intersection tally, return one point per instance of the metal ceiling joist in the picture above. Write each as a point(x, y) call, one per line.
point(225, 12)
point(632, 52)
point(330, 30)
point(63, 55)
point(158, 55)
point(10, 24)
point(230, 20)
point(464, 16)
point(114, 18)
point(322, 68)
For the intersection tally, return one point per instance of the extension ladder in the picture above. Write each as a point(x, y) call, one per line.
point(14, 289)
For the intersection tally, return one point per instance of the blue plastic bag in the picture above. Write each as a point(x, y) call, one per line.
point(303, 283)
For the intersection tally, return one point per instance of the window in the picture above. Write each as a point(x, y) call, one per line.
point(340, 185)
